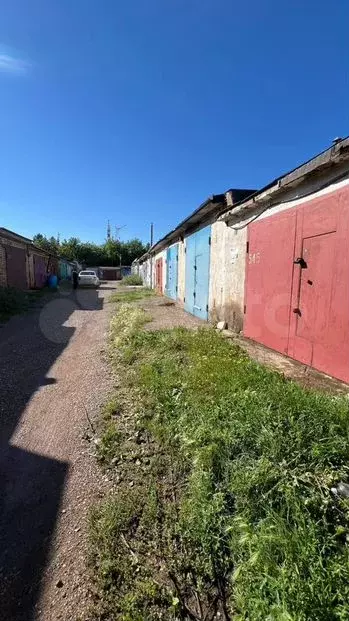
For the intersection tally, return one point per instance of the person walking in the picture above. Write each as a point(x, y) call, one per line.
point(75, 278)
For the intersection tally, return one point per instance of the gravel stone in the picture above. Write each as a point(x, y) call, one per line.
point(51, 372)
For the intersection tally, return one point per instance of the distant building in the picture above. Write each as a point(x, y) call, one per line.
point(22, 264)
point(14, 265)
point(65, 269)
point(113, 273)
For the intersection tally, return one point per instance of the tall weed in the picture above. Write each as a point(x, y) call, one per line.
point(255, 455)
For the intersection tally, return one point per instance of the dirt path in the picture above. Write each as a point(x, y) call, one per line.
point(51, 372)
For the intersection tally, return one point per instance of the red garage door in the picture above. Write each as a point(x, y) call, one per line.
point(297, 285)
point(16, 266)
point(269, 279)
point(158, 275)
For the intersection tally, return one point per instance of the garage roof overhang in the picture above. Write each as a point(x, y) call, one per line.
point(204, 214)
point(14, 236)
point(271, 194)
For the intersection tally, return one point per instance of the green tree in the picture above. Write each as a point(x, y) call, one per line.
point(131, 250)
point(50, 245)
point(70, 248)
point(112, 252)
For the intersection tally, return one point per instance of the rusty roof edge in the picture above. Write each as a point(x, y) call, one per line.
point(142, 258)
point(15, 236)
point(12, 234)
point(183, 226)
point(214, 199)
point(337, 152)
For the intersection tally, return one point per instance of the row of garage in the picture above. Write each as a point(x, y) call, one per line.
point(197, 264)
point(25, 266)
point(169, 266)
point(272, 263)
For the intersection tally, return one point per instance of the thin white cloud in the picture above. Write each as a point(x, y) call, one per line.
point(11, 64)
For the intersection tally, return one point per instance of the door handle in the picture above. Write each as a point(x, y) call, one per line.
point(297, 311)
point(300, 261)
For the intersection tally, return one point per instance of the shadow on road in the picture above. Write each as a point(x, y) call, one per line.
point(31, 485)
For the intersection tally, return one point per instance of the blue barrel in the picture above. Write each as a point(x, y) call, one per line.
point(52, 281)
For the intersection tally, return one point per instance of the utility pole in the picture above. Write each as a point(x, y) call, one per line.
point(117, 229)
point(151, 256)
point(108, 231)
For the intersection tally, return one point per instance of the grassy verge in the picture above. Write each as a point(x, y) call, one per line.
point(223, 471)
point(131, 296)
point(13, 301)
point(132, 279)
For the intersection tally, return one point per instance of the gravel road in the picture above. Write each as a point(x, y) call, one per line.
point(52, 370)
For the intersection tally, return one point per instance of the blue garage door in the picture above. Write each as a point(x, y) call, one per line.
point(197, 270)
point(172, 271)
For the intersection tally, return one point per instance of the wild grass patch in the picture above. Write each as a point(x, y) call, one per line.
point(225, 474)
point(14, 301)
point(128, 297)
point(132, 280)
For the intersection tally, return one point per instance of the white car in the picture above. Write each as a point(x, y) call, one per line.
point(88, 278)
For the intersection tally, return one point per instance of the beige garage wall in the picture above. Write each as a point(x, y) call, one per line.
point(227, 275)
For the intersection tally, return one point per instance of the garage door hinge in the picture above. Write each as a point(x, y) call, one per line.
point(244, 309)
point(247, 246)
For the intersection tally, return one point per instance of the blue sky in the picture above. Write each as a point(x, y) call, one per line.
point(137, 111)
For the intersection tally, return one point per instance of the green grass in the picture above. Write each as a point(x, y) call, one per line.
point(131, 296)
point(132, 279)
point(14, 301)
point(234, 513)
